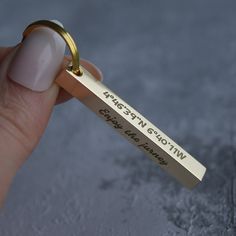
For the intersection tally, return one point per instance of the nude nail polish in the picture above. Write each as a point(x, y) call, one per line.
point(38, 60)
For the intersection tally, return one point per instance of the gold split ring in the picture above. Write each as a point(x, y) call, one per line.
point(65, 35)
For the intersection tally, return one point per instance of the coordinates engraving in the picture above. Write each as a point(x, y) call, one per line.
point(152, 131)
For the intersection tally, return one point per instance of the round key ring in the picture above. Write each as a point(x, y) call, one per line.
point(65, 35)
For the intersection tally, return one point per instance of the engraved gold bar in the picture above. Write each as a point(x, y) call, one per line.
point(133, 126)
point(122, 117)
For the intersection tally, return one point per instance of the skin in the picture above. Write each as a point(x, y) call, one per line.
point(24, 115)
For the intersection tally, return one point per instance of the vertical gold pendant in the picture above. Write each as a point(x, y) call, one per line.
point(124, 118)
point(134, 127)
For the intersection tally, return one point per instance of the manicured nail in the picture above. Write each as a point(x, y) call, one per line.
point(38, 59)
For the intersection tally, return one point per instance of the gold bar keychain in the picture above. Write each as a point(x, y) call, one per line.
point(124, 118)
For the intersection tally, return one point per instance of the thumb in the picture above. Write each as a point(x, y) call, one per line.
point(25, 110)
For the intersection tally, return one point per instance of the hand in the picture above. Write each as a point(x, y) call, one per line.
point(27, 96)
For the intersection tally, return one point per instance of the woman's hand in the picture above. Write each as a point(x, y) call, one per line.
point(27, 96)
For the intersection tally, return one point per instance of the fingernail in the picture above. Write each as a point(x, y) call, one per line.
point(38, 60)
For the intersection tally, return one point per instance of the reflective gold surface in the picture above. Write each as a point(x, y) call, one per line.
point(134, 127)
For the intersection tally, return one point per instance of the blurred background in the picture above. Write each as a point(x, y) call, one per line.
point(175, 62)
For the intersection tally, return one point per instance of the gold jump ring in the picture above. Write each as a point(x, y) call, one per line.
point(65, 35)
